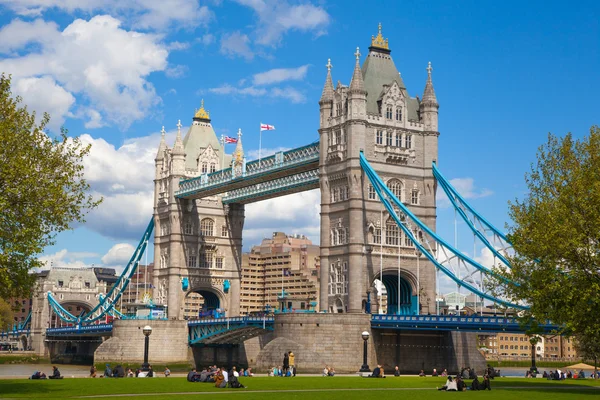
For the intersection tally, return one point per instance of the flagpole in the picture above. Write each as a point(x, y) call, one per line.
point(260, 145)
point(222, 152)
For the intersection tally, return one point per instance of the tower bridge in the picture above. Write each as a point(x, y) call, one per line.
point(375, 166)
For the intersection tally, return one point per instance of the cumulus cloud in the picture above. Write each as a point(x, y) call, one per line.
point(467, 189)
point(119, 254)
point(177, 71)
point(45, 95)
point(97, 59)
point(236, 44)
point(288, 93)
point(142, 14)
point(265, 152)
point(278, 75)
point(206, 39)
point(276, 17)
point(64, 258)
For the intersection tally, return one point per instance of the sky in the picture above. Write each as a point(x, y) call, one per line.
point(114, 72)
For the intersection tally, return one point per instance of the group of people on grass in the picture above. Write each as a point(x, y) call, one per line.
point(328, 371)
point(457, 384)
point(559, 375)
point(221, 377)
point(288, 367)
point(40, 375)
point(119, 372)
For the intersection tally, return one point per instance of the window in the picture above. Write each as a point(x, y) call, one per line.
point(224, 231)
point(187, 228)
point(372, 194)
point(219, 262)
point(60, 283)
point(396, 187)
point(388, 138)
point(334, 195)
point(407, 241)
point(377, 236)
point(87, 285)
point(399, 114)
point(414, 198)
point(164, 228)
point(388, 112)
point(398, 139)
point(379, 137)
point(338, 109)
point(338, 137)
point(207, 227)
point(213, 167)
point(391, 233)
point(204, 167)
point(342, 235)
point(206, 260)
point(408, 141)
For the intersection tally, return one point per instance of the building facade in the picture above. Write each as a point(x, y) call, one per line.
point(515, 345)
point(399, 136)
point(287, 264)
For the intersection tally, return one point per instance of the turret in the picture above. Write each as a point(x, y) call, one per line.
point(159, 161)
point(357, 97)
point(178, 153)
point(429, 105)
point(326, 102)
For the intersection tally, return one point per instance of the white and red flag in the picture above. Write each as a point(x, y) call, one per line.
point(265, 127)
point(230, 140)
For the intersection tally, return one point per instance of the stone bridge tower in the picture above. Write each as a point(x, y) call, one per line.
point(399, 136)
point(198, 242)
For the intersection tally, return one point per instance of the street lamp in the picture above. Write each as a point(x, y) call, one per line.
point(147, 331)
point(365, 366)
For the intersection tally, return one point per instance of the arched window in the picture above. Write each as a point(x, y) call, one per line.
point(207, 226)
point(389, 112)
point(399, 114)
point(414, 198)
point(397, 187)
point(392, 233)
point(204, 167)
point(213, 167)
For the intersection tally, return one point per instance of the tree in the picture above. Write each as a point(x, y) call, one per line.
point(588, 348)
point(556, 236)
point(6, 316)
point(42, 190)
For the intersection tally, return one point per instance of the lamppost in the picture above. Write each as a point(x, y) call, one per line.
point(147, 331)
point(534, 341)
point(365, 366)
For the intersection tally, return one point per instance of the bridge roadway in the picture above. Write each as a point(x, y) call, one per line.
point(237, 329)
point(282, 173)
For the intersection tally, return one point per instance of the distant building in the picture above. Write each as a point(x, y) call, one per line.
point(455, 301)
point(288, 263)
point(139, 291)
point(517, 345)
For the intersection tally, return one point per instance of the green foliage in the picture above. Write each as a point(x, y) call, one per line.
point(42, 190)
point(588, 347)
point(6, 315)
point(556, 236)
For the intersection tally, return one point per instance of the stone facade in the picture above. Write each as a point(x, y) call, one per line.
point(198, 240)
point(399, 136)
point(168, 343)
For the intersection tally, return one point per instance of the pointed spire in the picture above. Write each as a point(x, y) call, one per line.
point(238, 153)
point(357, 83)
point(160, 155)
point(178, 146)
point(327, 94)
point(429, 93)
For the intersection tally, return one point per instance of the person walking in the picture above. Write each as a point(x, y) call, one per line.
point(292, 359)
point(286, 363)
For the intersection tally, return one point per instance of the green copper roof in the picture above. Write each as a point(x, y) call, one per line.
point(378, 70)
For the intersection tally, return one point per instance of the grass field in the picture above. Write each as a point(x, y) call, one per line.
point(330, 388)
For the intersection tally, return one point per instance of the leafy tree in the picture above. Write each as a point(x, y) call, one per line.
point(42, 190)
point(6, 315)
point(556, 236)
point(588, 348)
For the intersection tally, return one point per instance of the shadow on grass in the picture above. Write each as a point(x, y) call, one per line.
point(28, 388)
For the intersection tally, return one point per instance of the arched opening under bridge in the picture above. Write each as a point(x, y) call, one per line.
point(394, 290)
point(202, 303)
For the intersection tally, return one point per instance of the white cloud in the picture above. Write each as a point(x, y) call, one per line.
point(18, 34)
point(236, 44)
point(98, 59)
point(206, 39)
point(177, 71)
point(288, 93)
point(178, 46)
point(44, 95)
point(285, 93)
point(253, 154)
point(64, 258)
point(95, 119)
point(467, 189)
point(119, 254)
point(278, 75)
point(276, 17)
point(144, 14)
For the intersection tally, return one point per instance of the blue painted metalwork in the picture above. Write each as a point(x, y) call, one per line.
point(454, 323)
point(306, 180)
point(222, 181)
point(107, 303)
point(460, 205)
point(385, 195)
point(214, 330)
point(80, 330)
point(14, 334)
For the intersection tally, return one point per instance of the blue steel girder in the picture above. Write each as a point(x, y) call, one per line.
point(14, 334)
point(300, 182)
point(454, 323)
point(227, 330)
point(81, 330)
point(277, 166)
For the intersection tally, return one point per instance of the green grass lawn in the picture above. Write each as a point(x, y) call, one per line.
point(329, 388)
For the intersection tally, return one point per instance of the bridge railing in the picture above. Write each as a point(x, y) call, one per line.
point(443, 319)
point(276, 161)
point(231, 320)
point(80, 329)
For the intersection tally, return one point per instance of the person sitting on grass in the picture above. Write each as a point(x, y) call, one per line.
point(377, 372)
point(93, 371)
point(396, 371)
point(445, 372)
point(475, 385)
point(434, 373)
point(249, 372)
point(38, 375)
point(422, 374)
point(55, 373)
point(331, 371)
point(220, 381)
point(450, 385)
point(167, 372)
point(107, 371)
point(192, 376)
point(460, 384)
point(130, 373)
point(486, 383)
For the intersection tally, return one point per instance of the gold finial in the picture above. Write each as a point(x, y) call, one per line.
point(379, 41)
point(202, 113)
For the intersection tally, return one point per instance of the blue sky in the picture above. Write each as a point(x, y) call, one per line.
point(505, 74)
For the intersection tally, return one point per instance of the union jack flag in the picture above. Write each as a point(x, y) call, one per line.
point(230, 140)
